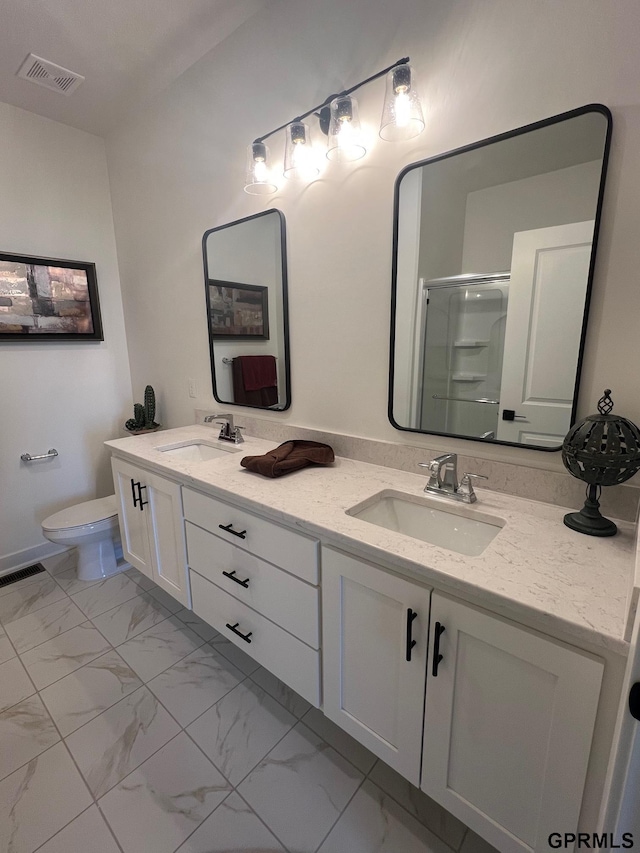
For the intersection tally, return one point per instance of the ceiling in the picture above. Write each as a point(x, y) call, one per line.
point(128, 50)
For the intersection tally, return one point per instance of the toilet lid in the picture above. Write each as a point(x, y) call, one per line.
point(89, 512)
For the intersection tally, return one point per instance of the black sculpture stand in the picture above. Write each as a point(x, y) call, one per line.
point(589, 520)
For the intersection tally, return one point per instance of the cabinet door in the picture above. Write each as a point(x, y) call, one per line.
point(129, 484)
point(373, 681)
point(166, 534)
point(509, 718)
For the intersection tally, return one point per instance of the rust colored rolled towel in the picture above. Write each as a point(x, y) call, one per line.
point(290, 456)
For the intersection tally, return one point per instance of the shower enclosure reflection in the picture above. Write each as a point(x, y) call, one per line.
point(494, 248)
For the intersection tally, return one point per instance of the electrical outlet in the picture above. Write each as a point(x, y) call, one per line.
point(192, 387)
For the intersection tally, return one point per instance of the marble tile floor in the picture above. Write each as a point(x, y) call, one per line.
point(128, 725)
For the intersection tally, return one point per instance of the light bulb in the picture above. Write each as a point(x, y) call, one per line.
point(402, 113)
point(299, 158)
point(258, 178)
point(345, 141)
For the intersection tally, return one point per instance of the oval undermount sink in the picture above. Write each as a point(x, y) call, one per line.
point(196, 450)
point(455, 528)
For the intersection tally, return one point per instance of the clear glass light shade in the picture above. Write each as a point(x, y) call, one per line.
point(299, 158)
point(258, 176)
point(345, 137)
point(402, 113)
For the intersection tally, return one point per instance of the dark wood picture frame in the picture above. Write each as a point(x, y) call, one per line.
point(228, 301)
point(37, 304)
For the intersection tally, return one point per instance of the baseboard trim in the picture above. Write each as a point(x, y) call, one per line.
point(29, 556)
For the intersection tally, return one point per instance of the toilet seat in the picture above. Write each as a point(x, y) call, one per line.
point(91, 513)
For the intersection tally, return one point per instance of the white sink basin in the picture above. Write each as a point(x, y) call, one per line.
point(455, 528)
point(196, 450)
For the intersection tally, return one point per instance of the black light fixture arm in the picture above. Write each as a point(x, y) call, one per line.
point(324, 106)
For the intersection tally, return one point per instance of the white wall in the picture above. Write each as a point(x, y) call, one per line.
point(495, 214)
point(485, 66)
point(67, 395)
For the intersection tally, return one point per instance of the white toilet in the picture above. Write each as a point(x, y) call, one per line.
point(92, 527)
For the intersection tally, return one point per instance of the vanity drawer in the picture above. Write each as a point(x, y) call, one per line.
point(284, 599)
point(293, 551)
point(288, 658)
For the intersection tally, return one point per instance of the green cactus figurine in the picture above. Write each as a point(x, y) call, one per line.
point(149, 407)
point(143, 415)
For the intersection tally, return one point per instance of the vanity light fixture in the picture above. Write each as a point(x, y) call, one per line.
point(338, 119)
point(402, 113)
point(258, 180)
point(299, 156)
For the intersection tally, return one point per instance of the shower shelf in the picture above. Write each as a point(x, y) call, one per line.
point(467, 343)
point(468, 377)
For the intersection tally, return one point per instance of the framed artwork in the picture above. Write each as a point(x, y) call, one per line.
point(237, 310)
point(47, 299)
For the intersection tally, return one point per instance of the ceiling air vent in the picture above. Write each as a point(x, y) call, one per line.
point(49, 75)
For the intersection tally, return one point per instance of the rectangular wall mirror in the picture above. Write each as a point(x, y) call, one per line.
point(245, 272)
point(494, 248)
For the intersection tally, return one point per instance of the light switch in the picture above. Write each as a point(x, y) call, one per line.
point(192, 387)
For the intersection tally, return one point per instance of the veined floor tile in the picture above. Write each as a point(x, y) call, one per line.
point(237, 657)
point(82, 695)
point(142, 580)
point(374, 821)
point(240, 729)
point(232, 826)
point(26, 730)
point(88, 833)
point(302, 775)
point(474, 844)
point(168, 601)
point(69, 651)
point(18, 586)
point(61, 562)
point(195, 683)
point(113, 744)
point(159, 647)
point(6, 649)
point(71, 583)
point(340, 740)
point(196, 624)
point(34, 596)
point(39, 799)
point(423, 808)
point(15, 684)
point(131, 618)
point(106, 594)
point(295, 704)
point(44, 624)
point(155, 808)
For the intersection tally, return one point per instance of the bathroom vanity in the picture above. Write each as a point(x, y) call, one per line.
point(490, 679)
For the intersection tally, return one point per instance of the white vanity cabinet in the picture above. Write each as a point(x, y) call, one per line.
point(256, 582)
point(503, 736)
point(151, 527)
point(509, 719)
point(375, 629)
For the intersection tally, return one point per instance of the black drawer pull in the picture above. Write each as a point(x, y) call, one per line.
point(142, 503)
point(229, 528)
point(232, 576)
point(234, 628)
point(437, 657)
point(411, 615)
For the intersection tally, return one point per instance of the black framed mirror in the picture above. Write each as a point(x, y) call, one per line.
point(245, 274)
point(493, 254)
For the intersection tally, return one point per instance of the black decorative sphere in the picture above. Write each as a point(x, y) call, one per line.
point(602, 449)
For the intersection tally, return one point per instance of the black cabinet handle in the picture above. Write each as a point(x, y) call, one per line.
point(137, 500)
point(411, 615)
point(437, 657)
point(234, 628)
point(229, 528)
point(232, 576)
point(142, 503)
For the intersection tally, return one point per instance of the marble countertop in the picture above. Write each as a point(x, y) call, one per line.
point(535, 570)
